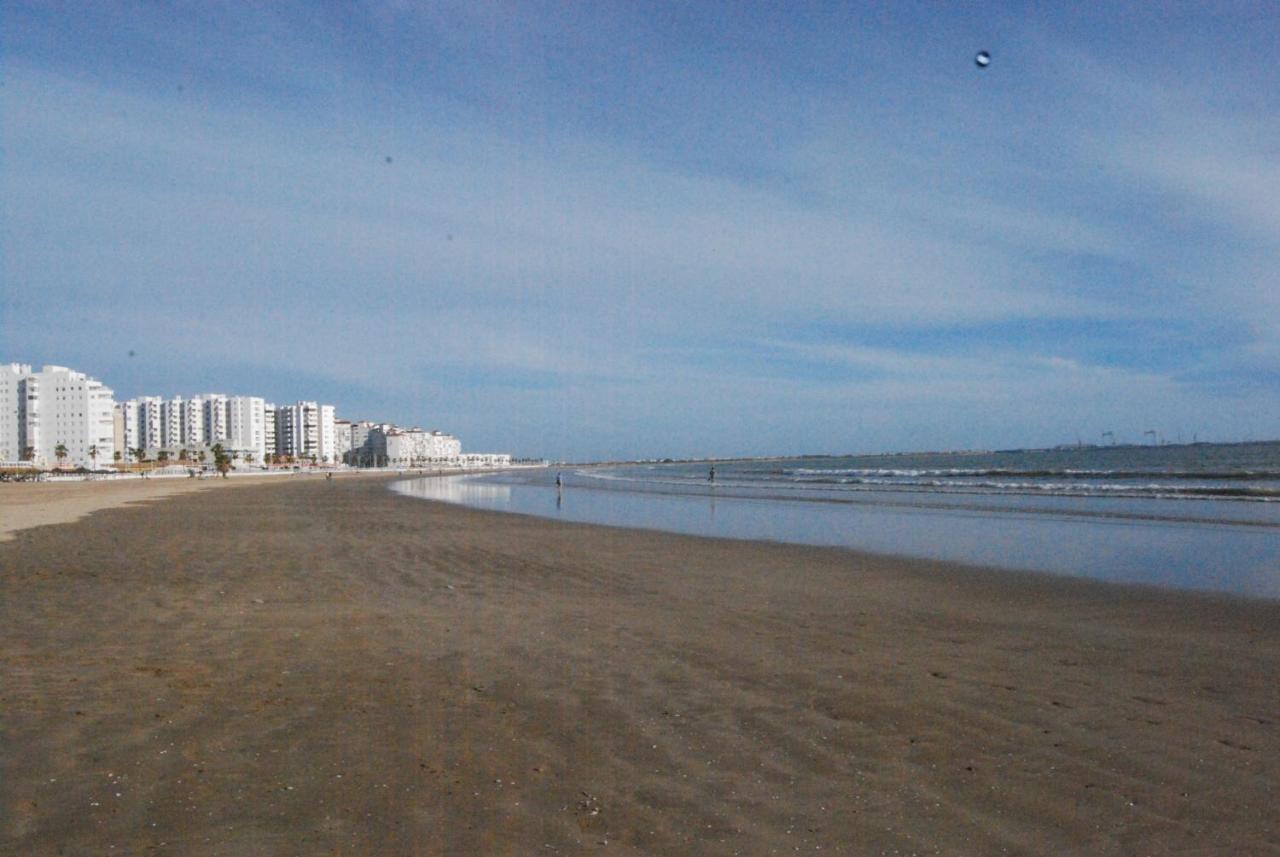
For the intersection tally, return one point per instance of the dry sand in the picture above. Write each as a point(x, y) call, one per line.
point(31, 505)
point(25, 505)
point(316, 667)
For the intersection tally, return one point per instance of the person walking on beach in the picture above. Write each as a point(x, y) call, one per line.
point(711, 476)
point(559, 482)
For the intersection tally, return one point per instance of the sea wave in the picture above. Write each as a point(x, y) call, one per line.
point(945, 482)
point(806, 474)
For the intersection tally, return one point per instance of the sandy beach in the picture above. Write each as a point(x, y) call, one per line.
point(33, 505)
point(311, 667)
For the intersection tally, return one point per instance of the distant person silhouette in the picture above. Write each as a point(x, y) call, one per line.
point(711, 476)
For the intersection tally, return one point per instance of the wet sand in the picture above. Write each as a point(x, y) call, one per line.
point(315, 667)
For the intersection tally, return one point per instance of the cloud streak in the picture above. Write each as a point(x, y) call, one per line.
point(601, 235)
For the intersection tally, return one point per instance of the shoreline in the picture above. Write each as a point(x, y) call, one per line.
point(1139, 545)
point(315, 667)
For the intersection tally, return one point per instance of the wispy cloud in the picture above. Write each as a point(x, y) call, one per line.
point(622, 231)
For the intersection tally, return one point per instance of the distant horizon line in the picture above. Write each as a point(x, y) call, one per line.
point(804, 456)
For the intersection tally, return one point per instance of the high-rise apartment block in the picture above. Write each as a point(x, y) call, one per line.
point(171, 422)
point(215, 418)
point(149, 421)
point(270, 447)
point(246, 426)
point(192, 416)
point(12, 425)
point(305, 430)
point(55, 409)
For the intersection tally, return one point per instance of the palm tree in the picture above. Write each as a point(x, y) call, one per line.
point(163, 457)
point(28, 453)
point(116, 456)
point(93, 454)
point(60, 452)
point(139, 454)
point(221, 460)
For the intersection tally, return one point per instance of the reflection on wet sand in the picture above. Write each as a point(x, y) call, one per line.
point(454, 489)
point(1224, 556)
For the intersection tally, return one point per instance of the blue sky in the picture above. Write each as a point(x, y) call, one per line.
point(625, 229)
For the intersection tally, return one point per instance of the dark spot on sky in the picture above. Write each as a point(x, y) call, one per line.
point(132, 353)
point(388, 159)
point(982, 60)
point(449, 237)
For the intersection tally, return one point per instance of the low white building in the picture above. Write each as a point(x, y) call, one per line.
point(395, 447)
point(485, 459)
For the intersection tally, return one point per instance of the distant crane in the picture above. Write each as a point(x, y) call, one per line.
point(1109, 434)
point(1154, 436)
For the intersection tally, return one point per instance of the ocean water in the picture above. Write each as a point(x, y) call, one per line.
point(1202, 516)
point(1199, 471)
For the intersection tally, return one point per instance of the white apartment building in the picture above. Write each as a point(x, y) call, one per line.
point(437, 445)
point(328, 435)
point(55, 406)
point(485, 459)
point(215, 417)
point(171, 422)
point(368, 450)
point(269, 430)
point(306, 429)
point(12, 427)
point(342, 439)
point(118, 454)
point(128, 412)
point(409, 447)
point(149, 421)
point(246, 426)
point(360, 433)
point(192, 417)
